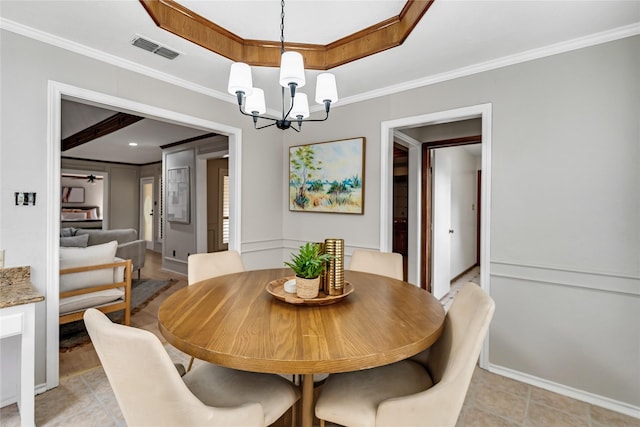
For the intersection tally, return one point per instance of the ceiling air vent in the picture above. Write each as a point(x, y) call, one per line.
point(166, 53)
point(153, 47)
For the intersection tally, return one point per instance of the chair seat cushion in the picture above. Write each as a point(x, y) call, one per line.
point(223, 387)
point(92, 299)
point(352, 398)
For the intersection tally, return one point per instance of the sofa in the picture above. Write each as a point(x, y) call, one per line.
point(129, 246)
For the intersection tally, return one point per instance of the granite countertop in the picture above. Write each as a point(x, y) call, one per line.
point(16, 287)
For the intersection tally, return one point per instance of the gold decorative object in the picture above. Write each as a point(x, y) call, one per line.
point(334, 273)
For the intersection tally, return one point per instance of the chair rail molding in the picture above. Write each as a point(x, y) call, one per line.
point(554, 275)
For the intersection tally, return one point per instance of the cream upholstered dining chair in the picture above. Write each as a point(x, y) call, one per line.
point(213, 264)
point(383, 263)
point(150, 391)
point(407, 393)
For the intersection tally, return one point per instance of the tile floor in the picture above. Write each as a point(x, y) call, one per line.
point(84, 398)
point(473, 275)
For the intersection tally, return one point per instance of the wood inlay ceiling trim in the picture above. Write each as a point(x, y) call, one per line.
point(105, 127)
point(177, 19)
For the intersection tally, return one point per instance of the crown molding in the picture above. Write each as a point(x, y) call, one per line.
point(530, 55)
point(494, 64)
point(99, 55)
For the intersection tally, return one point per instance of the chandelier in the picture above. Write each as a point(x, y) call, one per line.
point(292, 77)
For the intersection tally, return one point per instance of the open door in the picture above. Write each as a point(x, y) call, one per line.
point(441, 256)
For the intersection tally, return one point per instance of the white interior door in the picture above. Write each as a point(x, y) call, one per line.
point(146, 210)
point(441, 259)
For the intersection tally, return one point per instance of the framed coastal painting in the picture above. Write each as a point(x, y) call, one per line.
point(327, 177)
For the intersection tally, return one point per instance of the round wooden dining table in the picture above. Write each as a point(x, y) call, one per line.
point(233, 321)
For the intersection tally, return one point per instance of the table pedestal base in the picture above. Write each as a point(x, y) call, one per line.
point(307, 400)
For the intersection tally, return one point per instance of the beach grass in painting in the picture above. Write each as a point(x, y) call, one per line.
point(327, 177)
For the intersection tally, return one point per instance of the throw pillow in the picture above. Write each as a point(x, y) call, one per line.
point(67, 232)
point(92, 213)
point(91, 255)
point(80, 241)
point(73, 216)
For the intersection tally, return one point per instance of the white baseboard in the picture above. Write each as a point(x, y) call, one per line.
point(585, 396)
point(10, 400)
point(168, 270)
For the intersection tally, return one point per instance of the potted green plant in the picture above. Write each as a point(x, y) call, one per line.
point(308, 265)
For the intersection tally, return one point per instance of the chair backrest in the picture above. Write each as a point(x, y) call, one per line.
point(214, 264)
point(382, 263)
point(146, 383)
point(452, 360)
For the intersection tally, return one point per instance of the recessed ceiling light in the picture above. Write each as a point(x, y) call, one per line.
point(133, 144)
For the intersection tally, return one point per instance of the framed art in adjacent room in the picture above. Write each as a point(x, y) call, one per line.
point(327, 177)
point(72, 195)
point(178, 191)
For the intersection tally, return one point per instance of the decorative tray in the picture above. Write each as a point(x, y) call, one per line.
point(276, 288)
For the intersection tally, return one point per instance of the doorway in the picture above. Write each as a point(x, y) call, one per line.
point(147, 210)
point(217, 204)
point(58, 91)
point(401, 203)
point(450, 211)
point(389, 131)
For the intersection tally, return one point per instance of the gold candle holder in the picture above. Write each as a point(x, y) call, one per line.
point(323, 275)
point(334, 277)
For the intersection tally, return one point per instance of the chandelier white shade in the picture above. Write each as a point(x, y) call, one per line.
point(292, 76)
point(326, 89)
point(240, 79)
point(291, 69)
point(300, 106)
point(255, 102)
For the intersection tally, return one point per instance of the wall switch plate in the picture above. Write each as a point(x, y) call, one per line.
point(25, 198)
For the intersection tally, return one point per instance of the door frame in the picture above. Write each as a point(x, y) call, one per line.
point(426, 249)
point(483, 111)
point(57, 91)
point(202, 194)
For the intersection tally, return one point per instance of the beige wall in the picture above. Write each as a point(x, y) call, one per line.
point(28, 66)
point(565, 264)
point(565, 235)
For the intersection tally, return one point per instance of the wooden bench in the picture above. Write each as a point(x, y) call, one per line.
point(109, 307)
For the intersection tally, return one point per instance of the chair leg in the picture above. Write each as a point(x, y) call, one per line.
point(294, 414)
point(190, 364)
point(321, 423)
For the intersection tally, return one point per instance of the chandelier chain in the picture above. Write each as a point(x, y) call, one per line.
point(281, 26)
